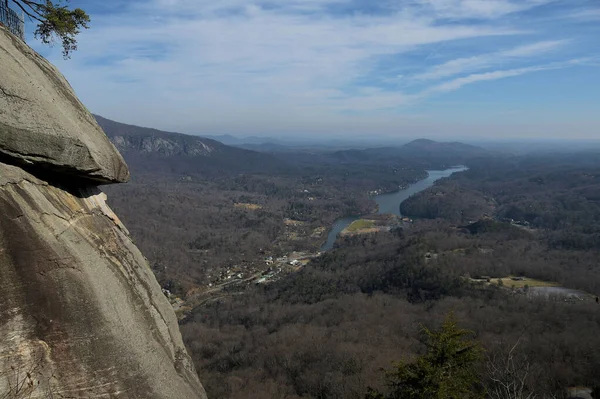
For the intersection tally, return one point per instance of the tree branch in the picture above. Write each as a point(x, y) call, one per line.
point(37, 15)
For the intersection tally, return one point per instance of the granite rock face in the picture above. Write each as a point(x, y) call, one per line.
point(81, 313)
point(43, 123)
point(80, 310)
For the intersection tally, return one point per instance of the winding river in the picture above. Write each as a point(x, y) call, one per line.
point(390, 202)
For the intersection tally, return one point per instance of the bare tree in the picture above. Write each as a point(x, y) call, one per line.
point(24, 379)
point(507, 375)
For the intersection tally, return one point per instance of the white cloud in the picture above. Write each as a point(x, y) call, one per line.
point(456, 84)
point(482, 9)
point(474, 63)
point(584, 15)
point(481, 77)
point(199, 65)
point(263, 57)
point(533, 49)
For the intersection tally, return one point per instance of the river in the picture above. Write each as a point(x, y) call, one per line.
point(390, 202)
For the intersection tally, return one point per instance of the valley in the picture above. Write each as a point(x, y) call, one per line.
point(260, 299)
point(211, 220)
point(222, 230)
point(325, 199)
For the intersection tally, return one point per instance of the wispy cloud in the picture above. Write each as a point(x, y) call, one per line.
point(495, 75)
point(272, 55)
point(584, 15)
point(293, 64)
point(483, 9)
point(456, 84)
point(484, 61)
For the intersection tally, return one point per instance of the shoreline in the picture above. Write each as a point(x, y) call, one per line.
point(351, 218)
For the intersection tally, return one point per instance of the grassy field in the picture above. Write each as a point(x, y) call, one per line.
point(250, 207)
point(360, 224)
point(291, 222)
point(509, 282)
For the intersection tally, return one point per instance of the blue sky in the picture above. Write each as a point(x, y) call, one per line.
point(444, 69)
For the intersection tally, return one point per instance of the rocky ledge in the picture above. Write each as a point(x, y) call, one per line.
point(43, 123)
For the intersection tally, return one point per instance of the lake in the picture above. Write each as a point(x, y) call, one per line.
point(390, 202)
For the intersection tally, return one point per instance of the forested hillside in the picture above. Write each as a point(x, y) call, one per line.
point(164, 153)
point(200, 209)
point(557, 195)
point(327, 330)
point(484, 245)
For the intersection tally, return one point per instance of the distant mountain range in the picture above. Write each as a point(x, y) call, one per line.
point(239, 141)
point(150, 150)
point(423, 152)
point(361, 152)
point(425, 146)
point(286, 143)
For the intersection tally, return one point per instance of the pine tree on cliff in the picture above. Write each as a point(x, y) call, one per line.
point(446, 371)
point(55, 19)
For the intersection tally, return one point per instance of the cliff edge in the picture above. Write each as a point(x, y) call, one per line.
point(81, 314)
point(43, 123)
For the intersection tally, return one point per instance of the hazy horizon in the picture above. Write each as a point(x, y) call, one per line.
point(365, 141)
point(440, 69)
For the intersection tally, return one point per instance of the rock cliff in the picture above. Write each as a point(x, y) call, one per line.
point(151, 151)
point(130, 138)
point(81, 314)
point(43, 122)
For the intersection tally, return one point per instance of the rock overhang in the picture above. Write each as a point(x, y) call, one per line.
point(43, 124)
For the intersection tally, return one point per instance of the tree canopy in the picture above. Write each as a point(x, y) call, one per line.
point(446, 370)
point(55, 20)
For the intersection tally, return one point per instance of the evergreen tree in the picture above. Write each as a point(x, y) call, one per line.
point(55, 20)
point(446, 371)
